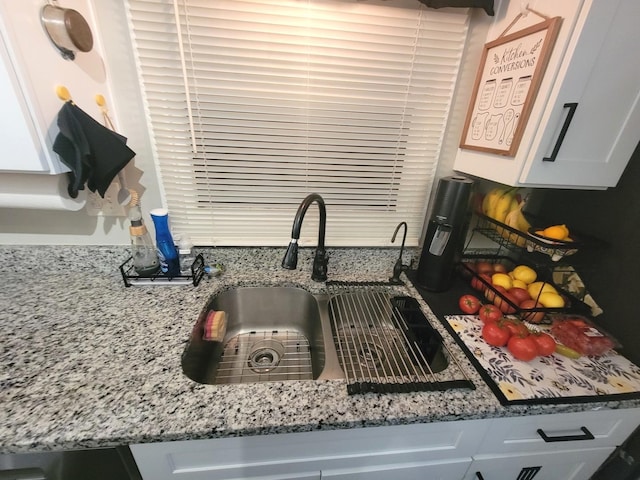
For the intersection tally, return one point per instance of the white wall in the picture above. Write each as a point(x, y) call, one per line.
point(77, 228)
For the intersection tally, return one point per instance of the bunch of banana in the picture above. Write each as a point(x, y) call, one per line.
point(515, 219)
point(502, 205)
point(497, 203)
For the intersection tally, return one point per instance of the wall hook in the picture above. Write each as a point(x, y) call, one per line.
point(63, 93)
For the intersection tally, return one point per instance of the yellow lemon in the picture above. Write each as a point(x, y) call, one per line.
point(536, 288)
point(502, 279)
point(519, 284)
point(557, 232)
point(526, 274)
point(551, 300)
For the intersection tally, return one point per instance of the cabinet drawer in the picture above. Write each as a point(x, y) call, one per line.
point(409, 471)
point(565, 465)
point(545, 433)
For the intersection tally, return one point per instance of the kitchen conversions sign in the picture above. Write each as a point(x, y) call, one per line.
point(510, 72)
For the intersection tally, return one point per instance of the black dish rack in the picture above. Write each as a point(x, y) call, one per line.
point(130, 277)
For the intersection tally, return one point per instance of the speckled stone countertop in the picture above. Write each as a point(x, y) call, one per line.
point(86, 362)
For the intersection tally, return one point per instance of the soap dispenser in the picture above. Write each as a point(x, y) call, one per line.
point(145, 258)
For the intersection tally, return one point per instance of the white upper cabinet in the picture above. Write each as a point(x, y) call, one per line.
point(25, 148)
point(31, 69)
point(593, 73)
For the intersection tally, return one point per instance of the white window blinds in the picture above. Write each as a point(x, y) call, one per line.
point(282, 98)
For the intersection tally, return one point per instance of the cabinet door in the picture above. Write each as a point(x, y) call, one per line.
point(565, 431)
point(21, 150)
point(409, 471)
point(605, 86)
point(565, 465)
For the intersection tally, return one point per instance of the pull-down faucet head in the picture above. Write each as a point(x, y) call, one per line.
point(320, 260)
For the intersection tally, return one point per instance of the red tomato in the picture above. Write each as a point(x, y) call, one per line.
point(533, 317)
point(477, 284)
point(546, 343)
point(494, 334)
point(523, 348)
point(520, 294)
point(469, 304)
point(489, 313)
point(490, 293)
point(484, 267)
point(499, 268)
point(516, 327)
point(502, 302)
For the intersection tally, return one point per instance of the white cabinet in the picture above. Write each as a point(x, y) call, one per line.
point(454, 469)
point(592, 67)
point(549, 447)
point(565, 465)
point(24, 149)
point(408, 452)
point(541, 447)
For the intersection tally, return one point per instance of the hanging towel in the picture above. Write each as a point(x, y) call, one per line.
point(487, 5)
point(93, 153)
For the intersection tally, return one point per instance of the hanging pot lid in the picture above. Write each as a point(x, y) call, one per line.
point(67, 29)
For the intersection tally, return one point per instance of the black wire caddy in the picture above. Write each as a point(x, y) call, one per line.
point(131, 278)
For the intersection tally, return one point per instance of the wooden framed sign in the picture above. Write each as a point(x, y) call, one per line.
point(510, 72)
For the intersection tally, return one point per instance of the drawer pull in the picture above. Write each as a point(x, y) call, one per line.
point(527, 473)
point(563, 131)
point(587, 435)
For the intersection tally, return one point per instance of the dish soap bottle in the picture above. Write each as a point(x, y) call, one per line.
point(145, 258)
point(167, 252)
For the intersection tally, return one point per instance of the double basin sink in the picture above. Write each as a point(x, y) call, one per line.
point(287, 333)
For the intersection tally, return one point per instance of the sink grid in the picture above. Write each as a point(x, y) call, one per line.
point(262, 356)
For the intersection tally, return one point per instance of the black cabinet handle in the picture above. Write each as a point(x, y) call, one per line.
point(563, 131)
point(587, 435)
point(479, 476)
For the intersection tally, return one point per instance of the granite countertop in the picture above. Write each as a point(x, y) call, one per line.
point(87, 362)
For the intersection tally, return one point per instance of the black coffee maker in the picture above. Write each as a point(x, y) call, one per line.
point(446, 233)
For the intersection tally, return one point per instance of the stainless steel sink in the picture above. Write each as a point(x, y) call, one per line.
point(372, 335)
point(273, 334)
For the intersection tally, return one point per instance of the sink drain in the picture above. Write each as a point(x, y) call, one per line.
point(371, 354)
point(265, 356)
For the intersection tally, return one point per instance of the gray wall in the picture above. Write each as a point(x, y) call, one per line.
point(612, 274)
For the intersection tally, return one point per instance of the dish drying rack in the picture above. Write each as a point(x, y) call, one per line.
point(131, 278)
point(384, 342)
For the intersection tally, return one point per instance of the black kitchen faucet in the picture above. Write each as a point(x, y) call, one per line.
point(290, 260)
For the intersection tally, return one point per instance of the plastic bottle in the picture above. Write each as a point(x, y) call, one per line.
point(145, 258)
point(167, 252)
point(186, 254)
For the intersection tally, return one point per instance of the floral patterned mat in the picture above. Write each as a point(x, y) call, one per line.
point(545, 378)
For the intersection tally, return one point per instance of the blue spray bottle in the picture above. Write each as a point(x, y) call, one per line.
point(167, 252)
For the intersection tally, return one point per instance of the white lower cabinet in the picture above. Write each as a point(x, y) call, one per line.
point(562, 464)
point(568, 446)
point(406, 471)
point(438, 451)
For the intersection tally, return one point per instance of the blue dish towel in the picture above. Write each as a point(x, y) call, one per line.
point(93, 153)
